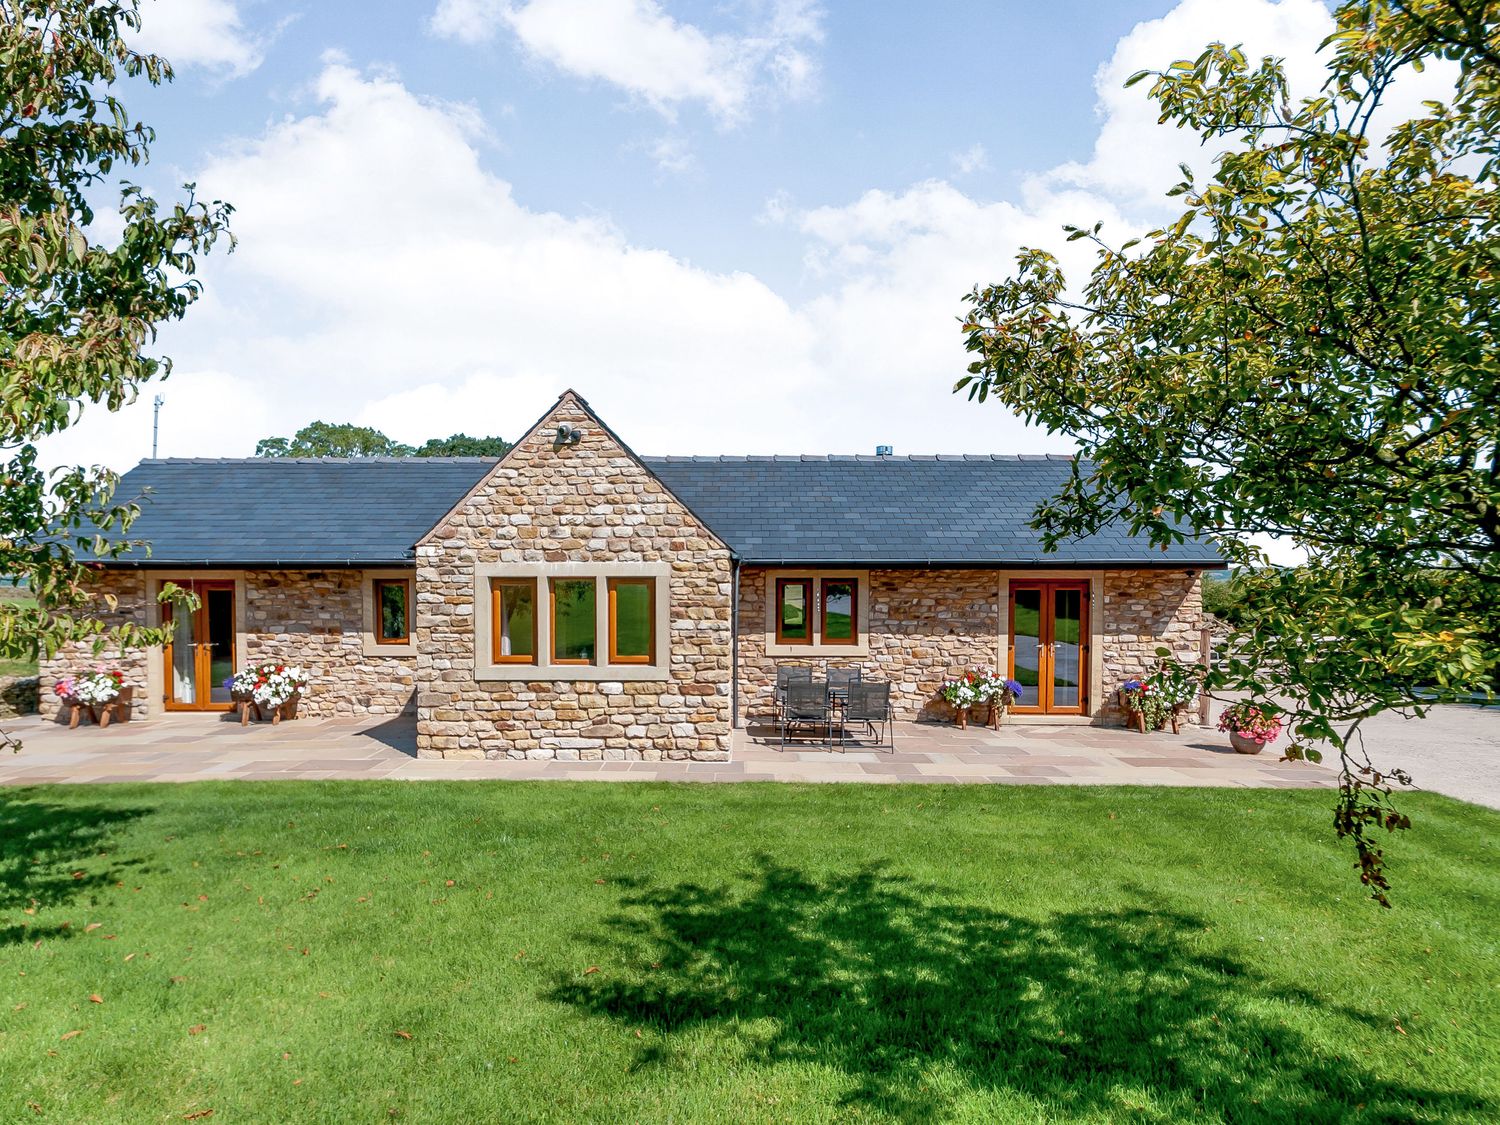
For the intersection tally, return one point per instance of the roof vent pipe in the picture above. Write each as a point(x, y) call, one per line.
point(884, 450)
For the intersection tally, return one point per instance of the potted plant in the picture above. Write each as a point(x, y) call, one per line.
point(271, 684)
point(1174, 687)
point(1144, 709)
point(102, 694)
point(1251, 726)
point(964, 691)
point(1001, 694)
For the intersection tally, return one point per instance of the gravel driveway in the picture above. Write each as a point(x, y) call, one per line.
point(1453, 750)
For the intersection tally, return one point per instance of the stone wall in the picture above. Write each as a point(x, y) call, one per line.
point(589, 502)
point(311, 618)
point(1145, 610)
point(315, 619)
point(18, 696)
point(128, 589)
point(924, 625)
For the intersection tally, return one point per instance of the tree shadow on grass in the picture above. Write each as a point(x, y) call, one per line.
point(919, 999)
point(52, 855)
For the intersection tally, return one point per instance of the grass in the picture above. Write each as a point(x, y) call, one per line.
point(17, 667)
point(361, 951)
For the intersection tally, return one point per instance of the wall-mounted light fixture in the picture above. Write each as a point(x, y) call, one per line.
point(567, 435)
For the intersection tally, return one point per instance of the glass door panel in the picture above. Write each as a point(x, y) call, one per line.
point(1026, 642)
point(1067, 665)
point(218, 607)
point(182, 659)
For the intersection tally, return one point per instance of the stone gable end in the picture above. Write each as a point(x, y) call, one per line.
point(572, 505)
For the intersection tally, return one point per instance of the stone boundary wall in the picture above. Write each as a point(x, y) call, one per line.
point(590, 502)
point(18, 696)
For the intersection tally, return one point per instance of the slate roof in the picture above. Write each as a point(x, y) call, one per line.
point(867, 511)
point(291, 511)
point(937, 510)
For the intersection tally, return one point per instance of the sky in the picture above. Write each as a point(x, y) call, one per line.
point(743, 226)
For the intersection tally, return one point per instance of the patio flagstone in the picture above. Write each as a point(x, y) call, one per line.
point(206, 747)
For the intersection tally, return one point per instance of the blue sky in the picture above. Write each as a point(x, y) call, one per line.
point(734, 227)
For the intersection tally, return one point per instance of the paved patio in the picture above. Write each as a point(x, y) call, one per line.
point(210, 747)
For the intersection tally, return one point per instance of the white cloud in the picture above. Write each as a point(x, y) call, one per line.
point(972, 159)
point(201, 33)
point(673, 155)
point(1135, 159)
point(639, 47)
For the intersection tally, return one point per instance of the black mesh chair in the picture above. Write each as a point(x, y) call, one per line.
point(841, 678)
point(870, 704)
point(787, 674)
point(806, 706)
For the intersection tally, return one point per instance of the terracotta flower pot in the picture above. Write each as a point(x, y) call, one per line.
point(1244, 745)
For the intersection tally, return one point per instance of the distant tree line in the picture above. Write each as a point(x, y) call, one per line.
point(329, 439)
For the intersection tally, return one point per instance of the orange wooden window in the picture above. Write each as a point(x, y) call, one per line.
point(794, 612)
point(574, 625)
point(840, 611)
point(632, 620)
point(392, 611)
point(513, 620)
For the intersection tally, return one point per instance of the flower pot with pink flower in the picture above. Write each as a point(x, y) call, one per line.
point(1251, 726)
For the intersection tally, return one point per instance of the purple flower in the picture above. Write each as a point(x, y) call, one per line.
point(1014, 687)
point(1132, 685)
point(229, 684)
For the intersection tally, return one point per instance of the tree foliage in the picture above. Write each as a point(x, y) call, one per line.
point(326, 439)
point(462, 445)
point(331, 439)
point(80, 311)
point(1311, 351)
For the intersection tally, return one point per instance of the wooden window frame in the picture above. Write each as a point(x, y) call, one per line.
point(823, 637)
point(379, 607)
point(497, 607)
point(808, 586)
point(553, 659)
point(611, 584)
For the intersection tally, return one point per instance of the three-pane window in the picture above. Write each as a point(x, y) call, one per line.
point(392, 611)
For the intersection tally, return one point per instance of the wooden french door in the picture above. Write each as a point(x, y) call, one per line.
point(199, 656)
point(1049, 646)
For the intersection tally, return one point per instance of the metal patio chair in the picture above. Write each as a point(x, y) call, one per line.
point(806, 705)
point(787, 674)
point(870, 704)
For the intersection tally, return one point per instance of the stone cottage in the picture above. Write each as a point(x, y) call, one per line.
point(575, 600)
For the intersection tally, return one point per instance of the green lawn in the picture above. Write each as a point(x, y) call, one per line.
point(369, 951)
point(17, 667)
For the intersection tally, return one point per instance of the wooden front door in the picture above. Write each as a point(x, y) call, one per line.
point(199, 657)
point(1049, 646)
